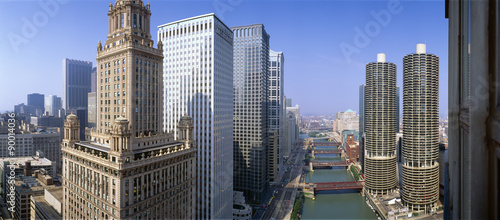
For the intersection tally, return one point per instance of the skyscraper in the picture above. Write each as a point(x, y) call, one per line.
point(76, 83)
point(397, 108)
point(53, 104)
point(92, 110)
point(93, 80)
point(294, 136)
point(36, 104)
point(36, 100)
point(380, 112)
point(420, 188)
point(276, 112)
point(347, 120)
point(251, 122)
point(198, 79)
point(288, 103)
point(129, 168)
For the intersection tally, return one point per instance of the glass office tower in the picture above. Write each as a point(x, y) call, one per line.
point(251, 94)
point(198, 81)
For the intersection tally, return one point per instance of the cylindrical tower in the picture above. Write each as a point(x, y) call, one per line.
point(420, 188)
point(380, 134)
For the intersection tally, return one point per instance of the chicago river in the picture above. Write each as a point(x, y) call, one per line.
point(329, 204)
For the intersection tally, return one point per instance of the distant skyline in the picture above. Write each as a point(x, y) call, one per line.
point(326, 44)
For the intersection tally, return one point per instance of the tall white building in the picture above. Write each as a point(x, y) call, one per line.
point(198, 81)
point(53, 104)
point(276, 112)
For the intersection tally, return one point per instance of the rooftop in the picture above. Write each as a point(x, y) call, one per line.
point(27, 184)
point(47, 208)
point(56, 192)
point(192, 18)
point(35, 161)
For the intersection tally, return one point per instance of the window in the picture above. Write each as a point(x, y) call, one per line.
point(135, 21)
point(121, 20)
point(140, 22)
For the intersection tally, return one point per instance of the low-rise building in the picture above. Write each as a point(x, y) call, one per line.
point(47, 206)
point(352, 148)
point(28, 140)
point(27, 189)
point(12, 167)
point(345, 133)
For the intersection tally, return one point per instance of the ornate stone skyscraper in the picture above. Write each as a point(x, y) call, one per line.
point(129, 168)
point(420, 188)
point(380, 124)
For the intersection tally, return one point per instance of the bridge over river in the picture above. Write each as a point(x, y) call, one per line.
point(317, 187)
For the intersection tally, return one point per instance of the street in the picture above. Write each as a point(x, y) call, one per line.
point(286, 189)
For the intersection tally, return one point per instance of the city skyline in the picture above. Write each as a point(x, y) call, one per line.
point(177, 117)
point(315, 67)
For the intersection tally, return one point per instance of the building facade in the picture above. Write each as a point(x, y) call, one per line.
point(47, 206)
point(129, 168)
point(92, 110)
point(19, 165)
point(288, 103)
point(251, 120)
point(198, 81)
point(352, 148)
point(28, 143)
point(347, 120)
point(276, 112)
point(420, 188)
point(36, 104)
point(380, 112)
point(53, 104)
point(345, 133)
point(291, 133)
point(362, 109)
point(397, 108)
point(93, 80)
point(474, 108)
point(21, 109)
point(76, 83)
point(27, 187)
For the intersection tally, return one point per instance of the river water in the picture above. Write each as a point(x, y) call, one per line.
point(334, 205)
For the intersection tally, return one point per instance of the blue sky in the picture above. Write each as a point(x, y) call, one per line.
point(319, 75)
